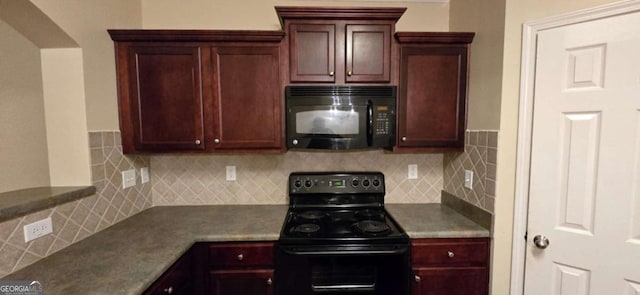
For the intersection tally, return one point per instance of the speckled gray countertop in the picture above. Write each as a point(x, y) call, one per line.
point(434, 221)
point(129, 256)
point(21, 202)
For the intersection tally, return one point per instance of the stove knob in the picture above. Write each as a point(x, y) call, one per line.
point(376, 182)
point(308, 183)
point(365, 183)
point(355, 182)
point(297, 183)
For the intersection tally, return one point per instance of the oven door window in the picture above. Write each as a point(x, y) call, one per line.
point(335, 121)
point(343, 274)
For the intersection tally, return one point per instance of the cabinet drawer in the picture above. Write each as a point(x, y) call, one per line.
point(241, 254)
point(450, 252)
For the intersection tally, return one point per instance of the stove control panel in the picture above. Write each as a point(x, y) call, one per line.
point(336, 182)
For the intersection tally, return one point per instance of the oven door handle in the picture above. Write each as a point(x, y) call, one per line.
point(316, 251)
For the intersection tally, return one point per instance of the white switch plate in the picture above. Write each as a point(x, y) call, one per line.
point(412, 171)
point(468, 179)
point(144, 175)
point(128, 178)
point(231, 173)
point(37, 229)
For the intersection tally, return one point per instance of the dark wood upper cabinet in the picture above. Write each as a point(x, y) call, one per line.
point(199, 90)
point(247, 97)
point(166, 103)
point(339, 45)
point(432, 93)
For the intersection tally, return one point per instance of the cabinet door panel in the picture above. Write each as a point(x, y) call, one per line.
point(451, 281)
point(368, 53)
point(432, 97)
point(312, 52)
point(247, 92)
point(166, 102)
point(242, 282)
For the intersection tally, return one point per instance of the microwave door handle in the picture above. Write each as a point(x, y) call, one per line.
point(369, 123)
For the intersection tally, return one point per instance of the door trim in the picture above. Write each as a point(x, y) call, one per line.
point(530, 32)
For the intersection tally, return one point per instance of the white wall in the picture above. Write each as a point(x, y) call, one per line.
point(261, 15)
point(23, 139)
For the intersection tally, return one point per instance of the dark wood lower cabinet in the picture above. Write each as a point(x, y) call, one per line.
point(450, 266)
point(178, 279)
point(450, 281)
point(241, 282)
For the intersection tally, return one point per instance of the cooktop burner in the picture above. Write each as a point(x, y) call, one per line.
point(334, 208)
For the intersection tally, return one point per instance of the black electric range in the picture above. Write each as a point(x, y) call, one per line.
point(338, 237)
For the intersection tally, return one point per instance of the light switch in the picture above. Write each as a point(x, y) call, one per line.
point(128, 178)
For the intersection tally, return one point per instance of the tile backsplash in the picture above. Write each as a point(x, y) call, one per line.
point(74, 221)
point(262, 179)
point(480, 155)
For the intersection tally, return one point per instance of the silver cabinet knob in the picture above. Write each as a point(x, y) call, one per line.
point(404, 138)
point(169, 290)
point(197, 141)
point(295, 142)
point(417, 278)
point(216, 140)
point(541, 241)
point(349, 73)
point(331, 74)
point(269, 281)
point(450, 254)
point(240, 257)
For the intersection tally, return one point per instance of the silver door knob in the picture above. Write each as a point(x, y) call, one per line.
point(197, 141)
point(404, 138)
point(295, 142)
point(240, 257)
point(169, 290)
point(541, 241)
point(417, 278)
point(349, 73)
point(269, 281)
point(216, 140)
point(331, 74)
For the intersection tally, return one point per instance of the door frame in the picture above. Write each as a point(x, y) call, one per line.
point(530, 33)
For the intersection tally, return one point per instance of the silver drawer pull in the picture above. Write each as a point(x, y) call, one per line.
point(417, 278)
point(240, 257)
point(169, 290)
point(197, 141)
point(269, 281)
point(450, 254)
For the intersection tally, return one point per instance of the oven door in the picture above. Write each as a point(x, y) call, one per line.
point(344, 270)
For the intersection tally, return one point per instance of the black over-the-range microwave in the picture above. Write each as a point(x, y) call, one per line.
point(340, 117)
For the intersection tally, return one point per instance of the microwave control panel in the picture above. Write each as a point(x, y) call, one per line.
point(382, 120)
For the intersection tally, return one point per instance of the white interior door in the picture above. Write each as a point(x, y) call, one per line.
point(584, 194)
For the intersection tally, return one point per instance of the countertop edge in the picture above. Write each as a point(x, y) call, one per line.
point(31, 200)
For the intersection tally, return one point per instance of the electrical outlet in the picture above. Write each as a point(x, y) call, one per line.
point(128, 178)
point(37, 229)
point(412, 171)
point(231, 173)
point(144, 175)
point(468, 179)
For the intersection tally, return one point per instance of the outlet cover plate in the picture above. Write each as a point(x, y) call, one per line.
point(231, 173)
point(37, 229)
point(412, 171)
point(468, 179)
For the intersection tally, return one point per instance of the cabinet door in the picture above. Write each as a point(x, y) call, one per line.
point(247, 93)
point(177, 280)
point(242, 282)
point(312, 52)
point(432, 97)
point(368, 53)
point(165, 99)
point(450, 281)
